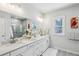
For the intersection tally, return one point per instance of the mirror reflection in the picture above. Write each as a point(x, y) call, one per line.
point(17, 27)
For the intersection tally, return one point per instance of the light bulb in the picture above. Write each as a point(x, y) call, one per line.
point(40, 19)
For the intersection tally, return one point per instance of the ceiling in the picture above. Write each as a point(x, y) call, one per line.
point(46, 7)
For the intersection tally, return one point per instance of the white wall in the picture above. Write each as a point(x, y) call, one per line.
point(30, 11)
point(62, 41)
point(5, 22)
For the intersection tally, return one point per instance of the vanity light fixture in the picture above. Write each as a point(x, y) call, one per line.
point(40, 19)
point(11, 8)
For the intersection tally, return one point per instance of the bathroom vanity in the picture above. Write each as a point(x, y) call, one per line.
point(33, 47)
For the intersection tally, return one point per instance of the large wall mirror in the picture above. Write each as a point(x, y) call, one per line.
point(17, 26)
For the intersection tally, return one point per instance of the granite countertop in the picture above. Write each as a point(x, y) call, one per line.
point(10, 47)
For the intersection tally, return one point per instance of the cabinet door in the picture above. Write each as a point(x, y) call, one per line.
point(30, 50)
point(37, 49)
point(41, 46)
point(44, 45)
point(34, 48)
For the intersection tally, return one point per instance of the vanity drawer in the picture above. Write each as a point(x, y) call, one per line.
point(19, 51)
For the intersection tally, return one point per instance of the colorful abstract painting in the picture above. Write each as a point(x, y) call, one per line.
point(74, 23)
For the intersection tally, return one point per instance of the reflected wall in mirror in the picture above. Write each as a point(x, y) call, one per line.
point(17, 27)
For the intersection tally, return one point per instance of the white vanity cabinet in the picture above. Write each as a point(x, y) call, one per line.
point(35, 48)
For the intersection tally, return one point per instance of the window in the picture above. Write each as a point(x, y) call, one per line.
point(59, 25)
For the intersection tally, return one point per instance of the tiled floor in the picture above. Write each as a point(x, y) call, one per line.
point(64, 53)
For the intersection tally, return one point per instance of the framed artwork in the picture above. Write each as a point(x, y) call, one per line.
point(59, 25)
point(74, 22)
